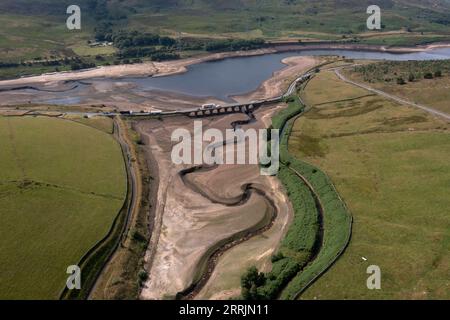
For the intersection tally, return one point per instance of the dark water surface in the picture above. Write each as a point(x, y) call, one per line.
point(240, 75)
point(228, 77)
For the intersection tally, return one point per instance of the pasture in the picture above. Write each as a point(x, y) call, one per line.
point(62, 184)
point(390, 164)
point(433, 93)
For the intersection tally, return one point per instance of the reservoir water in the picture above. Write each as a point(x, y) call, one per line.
point(234, 76)
point(221, 79)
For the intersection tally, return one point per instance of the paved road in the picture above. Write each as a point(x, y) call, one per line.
point(392, 97)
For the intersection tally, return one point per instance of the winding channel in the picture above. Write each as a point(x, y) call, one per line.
point(211, 257)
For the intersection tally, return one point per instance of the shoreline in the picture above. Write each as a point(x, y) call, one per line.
point(293, 46)
point(172, 67)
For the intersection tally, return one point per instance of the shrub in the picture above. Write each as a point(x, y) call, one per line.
point(138, 237)
point(234, 45)
point(250, 281)
point(277, 256)
point(252, 277)
point(143, 276)
point(292, 269)
point(401, 81)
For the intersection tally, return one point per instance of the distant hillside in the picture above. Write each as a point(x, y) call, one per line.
point(282, 18)
point(36, 29)
point(412, 13)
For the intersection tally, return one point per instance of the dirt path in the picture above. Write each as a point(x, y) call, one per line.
point(392, 97)
point(135, 177)
point(135, 194)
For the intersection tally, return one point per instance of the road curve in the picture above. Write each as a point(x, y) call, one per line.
point(392, 97)
point(119, 133)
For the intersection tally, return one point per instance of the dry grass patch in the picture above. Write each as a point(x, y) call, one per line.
point(390, 164)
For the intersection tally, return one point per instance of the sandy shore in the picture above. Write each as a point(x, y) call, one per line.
point(339, 46)
point(280, 80)
point(140, 69)
point(120, 95)
point(179, 66)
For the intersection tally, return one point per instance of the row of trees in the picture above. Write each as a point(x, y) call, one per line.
point(412, 77)
point(234, 45)
point(403, 71)
point(125, 39)
point(153, 55)
point(136, 44)
point(9, 64)
point(75, 63)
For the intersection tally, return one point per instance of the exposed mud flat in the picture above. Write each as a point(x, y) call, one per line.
point(224, 282)
point(138, 87)
point(126, 95)
point(201, 209)
point(179, 66)
point(140, 69)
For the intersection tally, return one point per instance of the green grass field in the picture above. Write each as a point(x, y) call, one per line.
point(62, 184)
point(317, 95)
point(390, 164)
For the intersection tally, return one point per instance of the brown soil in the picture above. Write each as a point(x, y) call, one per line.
point(141, 69)
point(191, 222)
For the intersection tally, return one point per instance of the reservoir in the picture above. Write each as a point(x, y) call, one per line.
point(235, 76)
point(220, 79)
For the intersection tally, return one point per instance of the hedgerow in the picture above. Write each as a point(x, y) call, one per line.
point(296, 265)
point(293, 109)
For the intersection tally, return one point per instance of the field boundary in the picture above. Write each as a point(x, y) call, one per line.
point(346, 100)
point(89, 260)
point(287, 159)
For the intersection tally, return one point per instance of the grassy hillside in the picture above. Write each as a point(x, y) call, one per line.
point(61, 186)
point(424, 82)
point(37, 28)
point(34, 38)
point(390, 164)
